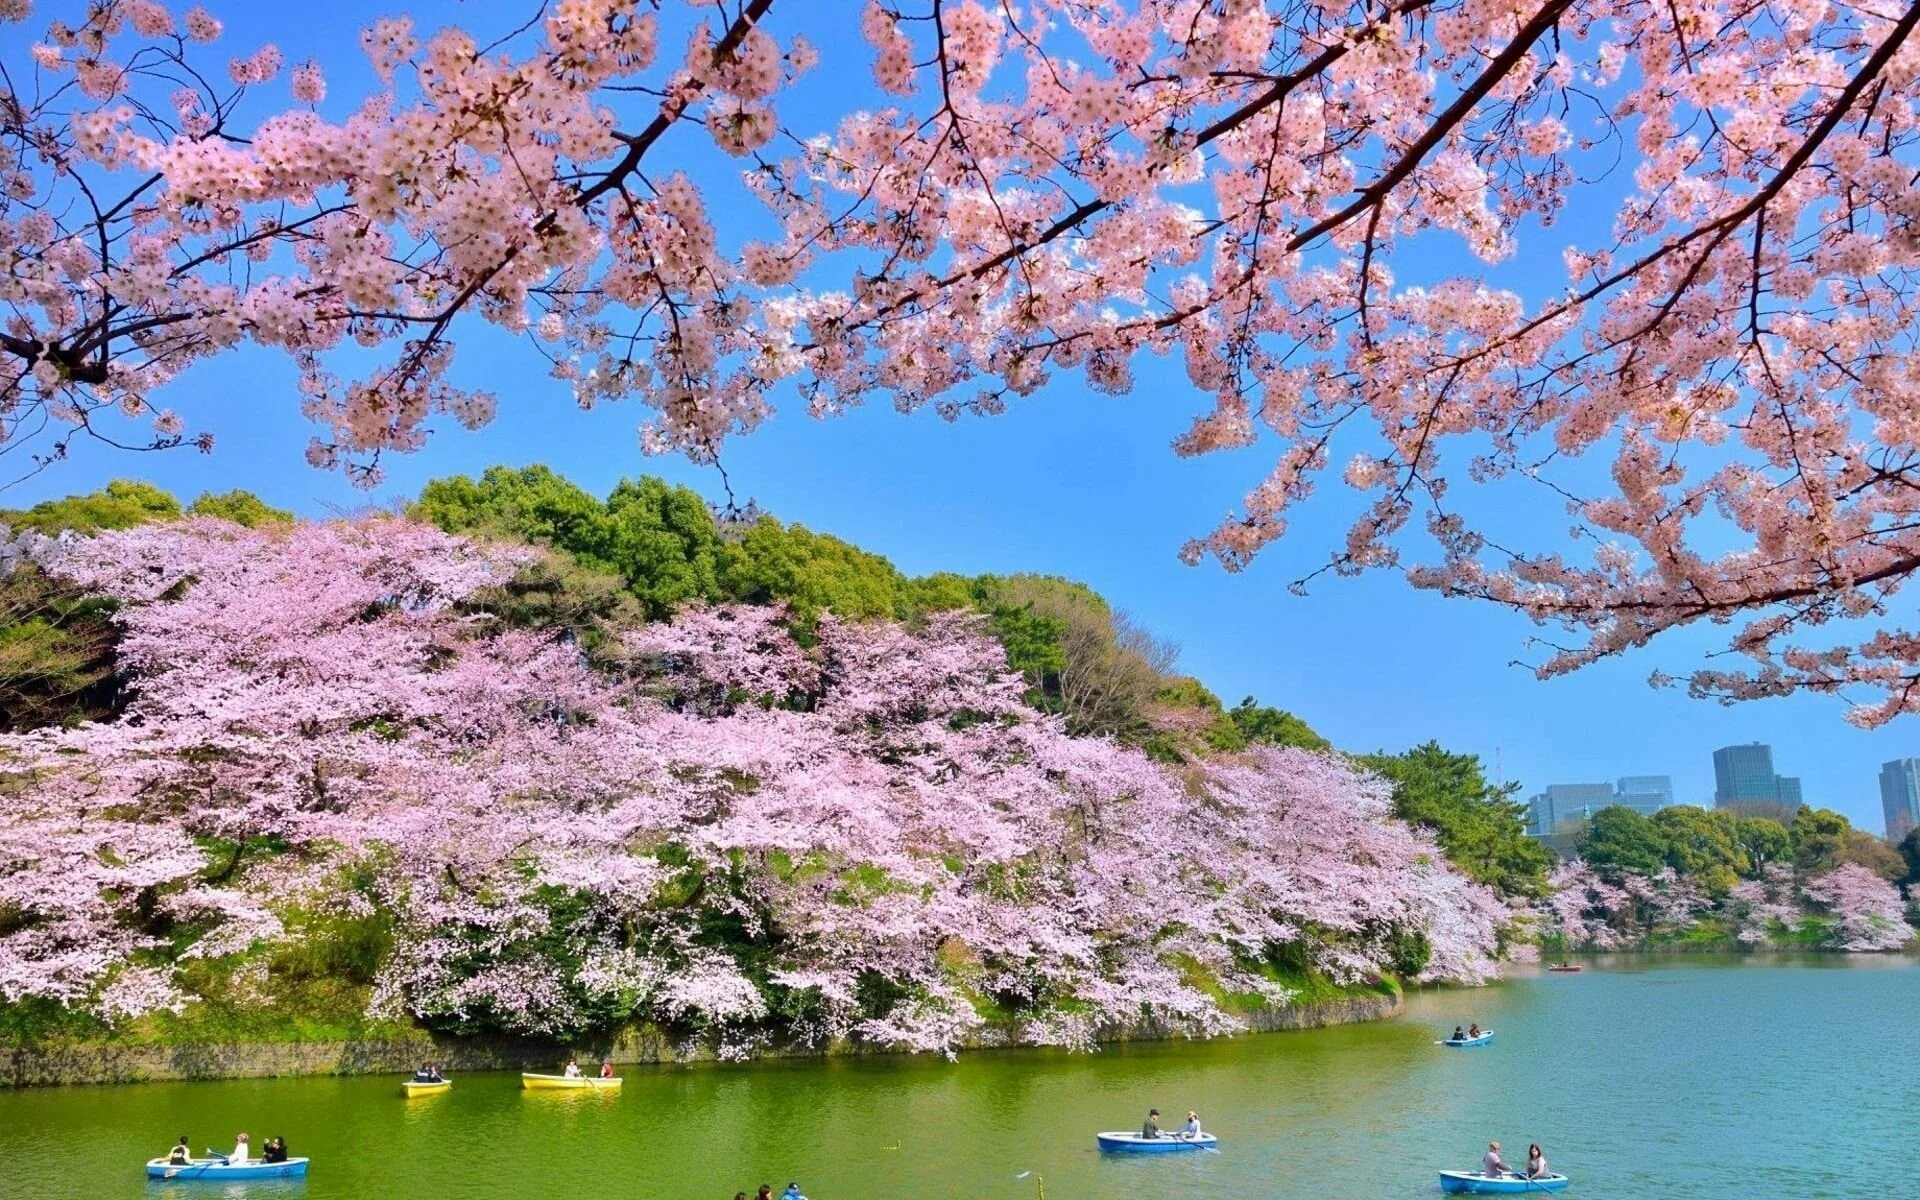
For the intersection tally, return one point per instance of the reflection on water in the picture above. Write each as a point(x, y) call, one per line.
point(1656, 1078)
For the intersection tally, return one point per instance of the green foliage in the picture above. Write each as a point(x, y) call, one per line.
point(663, 542)
point(1260, 723)
point(1703, 844)
point(532, 503)
point(57, 653)
point(1910, 851)
point(1762, 840)
point(240, 507)
point(557, 593)
point(1619, 839)
point(122, 504)
point(1875, 854)
point(811, 572)
point(1479, 825)
point(1820, 838)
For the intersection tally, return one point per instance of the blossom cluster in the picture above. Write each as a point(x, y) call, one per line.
point(1273, 195)
point(724, 832)
point(1848, 908)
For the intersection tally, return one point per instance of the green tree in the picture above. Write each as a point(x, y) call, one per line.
point(943, 591)
point(558, 594)
point(1703, 845)
point(1819, 840)
point(57, 648)
point(532, 504)
point(661, 539)
point(1619, 839)
point(1478, 824)
point(811, 572)
point(1910, 851)
point(122, 504)
point(1762, 840)
point(240, 507)
point(1876, 854)
point(1276, 726)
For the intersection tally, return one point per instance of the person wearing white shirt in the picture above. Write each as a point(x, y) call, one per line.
point(239, 1154)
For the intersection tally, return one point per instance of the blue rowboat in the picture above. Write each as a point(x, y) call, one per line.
point(1166, 1143)
point(213, 1170)
point(1458, 1043)
point(1469, 1181)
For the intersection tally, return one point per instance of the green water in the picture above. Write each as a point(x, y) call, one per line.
point(1676, 1077)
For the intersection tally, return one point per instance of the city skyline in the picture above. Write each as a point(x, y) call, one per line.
point(1745, 778)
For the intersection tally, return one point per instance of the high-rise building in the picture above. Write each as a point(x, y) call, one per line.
point(1900, 796)
point(1564, 803)
point(1744, 775)
point(1744, 779)
point(1644, 793)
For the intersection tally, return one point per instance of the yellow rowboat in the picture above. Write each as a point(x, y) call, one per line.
point(561, 1083)
point(413, 1089)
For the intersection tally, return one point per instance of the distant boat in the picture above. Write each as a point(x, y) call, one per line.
point(214, 1170)
point(416, 1087)
point(1166, 1143)
point(563, 1083)
point(1565, 968)
point(1457, 1043)
point(1471, 1181)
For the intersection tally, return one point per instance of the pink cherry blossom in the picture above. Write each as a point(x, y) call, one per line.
point(1343, 222)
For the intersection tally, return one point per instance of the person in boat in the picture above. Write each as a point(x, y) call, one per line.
point(1474, 1032)
point(765, 1192)
point(1491, 1164)
point(573, 1069)
point(606, 1068)
point(429, 1073)
point(240, 1149)
point(1458, 1036)
point(1192, 1128)
point(181, 1154)
point(1150, 1128)
point(792, 1193)
point(1536, 1162)
point(275, 1151)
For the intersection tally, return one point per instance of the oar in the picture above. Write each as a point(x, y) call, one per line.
point(1039, 1183)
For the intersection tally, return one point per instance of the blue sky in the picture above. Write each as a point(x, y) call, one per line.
point(1067, 483)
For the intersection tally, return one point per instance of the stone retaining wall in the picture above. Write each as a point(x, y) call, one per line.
point(125, 1063)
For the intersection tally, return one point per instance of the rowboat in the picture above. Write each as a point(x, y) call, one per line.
point(1470, 1181)
point(213, 1170)
point(1565, 968)
point(414, 1088)
point(1458, 1043)
point(1166, 1143)
point(563, 1083)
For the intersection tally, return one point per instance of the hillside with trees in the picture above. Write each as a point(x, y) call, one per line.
point(584, 765)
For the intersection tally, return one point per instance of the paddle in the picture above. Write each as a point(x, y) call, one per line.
point(1039, 1182)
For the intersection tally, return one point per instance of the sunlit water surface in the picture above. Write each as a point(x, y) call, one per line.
point(1686, 1078)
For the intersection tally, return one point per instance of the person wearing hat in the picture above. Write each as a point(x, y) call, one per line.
point(1151, 1127)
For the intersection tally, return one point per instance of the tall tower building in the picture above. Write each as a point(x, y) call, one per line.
point(1744, 779)
point(1744, 775)
point(1900, 796)
point(1644, 793)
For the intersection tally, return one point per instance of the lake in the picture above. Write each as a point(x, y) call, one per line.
point(1682, 1076)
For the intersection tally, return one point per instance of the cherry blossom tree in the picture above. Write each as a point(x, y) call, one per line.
point(1867, 911)
point(1301, 202)
point(724, 833)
